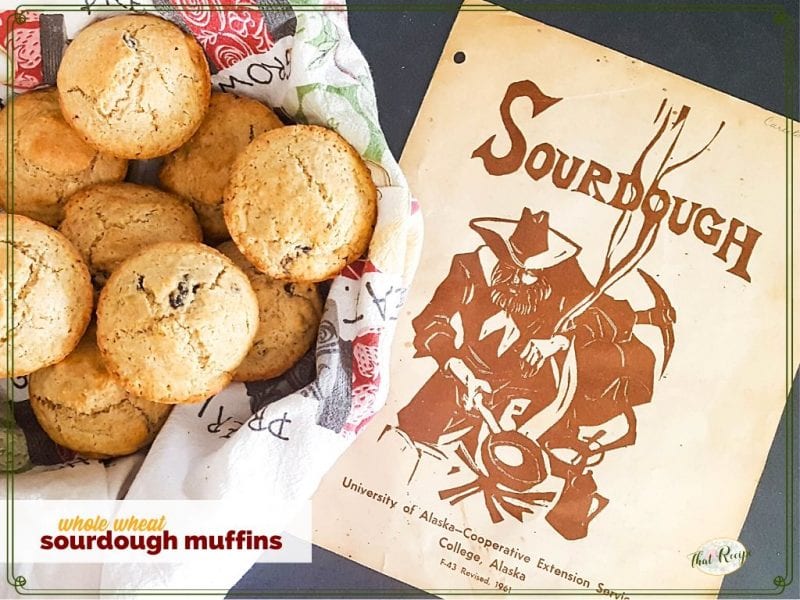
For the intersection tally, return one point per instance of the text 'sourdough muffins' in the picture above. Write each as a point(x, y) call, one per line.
point(110, 222)
point(175, 321)
point(289, 315)
point(51, 160)
point(82, 407)
point(200, 169)
point(300, 204)
point(135, 86)
point(51, 296)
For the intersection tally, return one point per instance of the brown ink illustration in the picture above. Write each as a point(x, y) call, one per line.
point(534, 365)
point(540, 370)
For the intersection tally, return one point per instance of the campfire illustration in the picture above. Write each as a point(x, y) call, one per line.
point(539, 371)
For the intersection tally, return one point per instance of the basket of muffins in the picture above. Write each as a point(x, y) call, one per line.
point(123, 300)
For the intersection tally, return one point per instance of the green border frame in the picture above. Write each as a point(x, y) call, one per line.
point(780, 17)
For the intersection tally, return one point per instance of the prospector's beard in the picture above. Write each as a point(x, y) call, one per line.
point(511, 294)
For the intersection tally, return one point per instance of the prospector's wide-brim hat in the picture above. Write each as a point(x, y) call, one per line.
point(528, 242)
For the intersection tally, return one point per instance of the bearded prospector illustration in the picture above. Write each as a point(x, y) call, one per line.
point(539, 370)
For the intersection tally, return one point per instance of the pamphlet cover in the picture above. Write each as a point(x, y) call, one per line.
point(595, 354)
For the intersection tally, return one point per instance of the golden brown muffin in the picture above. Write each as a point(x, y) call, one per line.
point(50, 303)
point(135, 86)
point(199, 170)
point(51, 160)
point(82, 407)
point(110, 222)
point(175, 321)
point(289, 315)
point(300, 204)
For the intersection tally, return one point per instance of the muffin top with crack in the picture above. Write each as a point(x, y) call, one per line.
point(289, 315)
point(175, 321)
point(51, 160)
point(135, 86)
point(82, 407)
point(300, 204)
point(47, 299)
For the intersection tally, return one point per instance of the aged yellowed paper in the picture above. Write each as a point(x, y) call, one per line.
point(592, 362)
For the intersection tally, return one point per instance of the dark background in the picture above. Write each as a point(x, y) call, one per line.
point(744, 48)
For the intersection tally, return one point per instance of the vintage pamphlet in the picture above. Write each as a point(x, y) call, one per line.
point(594, 356)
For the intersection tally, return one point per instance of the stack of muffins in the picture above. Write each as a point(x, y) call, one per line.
point(176, 320)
